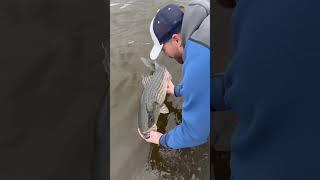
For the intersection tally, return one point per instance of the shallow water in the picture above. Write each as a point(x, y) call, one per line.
point(131, 157)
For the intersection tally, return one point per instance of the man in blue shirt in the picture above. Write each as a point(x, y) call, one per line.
point(186, 38)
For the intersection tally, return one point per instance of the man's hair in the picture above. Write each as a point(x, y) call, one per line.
point(227, 3)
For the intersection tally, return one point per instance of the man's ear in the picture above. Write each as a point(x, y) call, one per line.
point(177, 38)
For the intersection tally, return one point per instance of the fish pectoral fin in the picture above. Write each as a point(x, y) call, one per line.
point(164, 109)
point(146, 80)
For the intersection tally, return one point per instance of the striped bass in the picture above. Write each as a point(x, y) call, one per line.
point(153, 96)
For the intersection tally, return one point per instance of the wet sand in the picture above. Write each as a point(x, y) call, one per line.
point(130, 156)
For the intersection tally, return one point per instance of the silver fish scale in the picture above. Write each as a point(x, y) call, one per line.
point(157, 91)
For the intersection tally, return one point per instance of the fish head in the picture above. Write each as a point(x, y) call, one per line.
point(148, 117)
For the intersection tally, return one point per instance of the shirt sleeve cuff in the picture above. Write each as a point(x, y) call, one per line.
point(163, 142)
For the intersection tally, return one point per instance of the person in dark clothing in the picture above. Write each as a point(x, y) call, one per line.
point(271, 84)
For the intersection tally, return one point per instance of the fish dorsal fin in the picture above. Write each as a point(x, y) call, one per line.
point(146, 80)
point(164, 109)
point(149, 63)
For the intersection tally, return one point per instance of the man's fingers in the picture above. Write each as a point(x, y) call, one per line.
point(147, 136)
point(143, 137)
point(152, 133)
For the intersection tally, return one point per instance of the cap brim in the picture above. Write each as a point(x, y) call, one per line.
point(156, 49)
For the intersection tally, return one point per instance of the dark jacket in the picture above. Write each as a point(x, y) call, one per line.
point(273, 86)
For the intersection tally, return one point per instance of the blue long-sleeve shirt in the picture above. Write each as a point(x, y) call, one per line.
point(195, 89)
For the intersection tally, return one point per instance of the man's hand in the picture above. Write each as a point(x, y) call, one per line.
point(170, 87)
point(153, 138)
